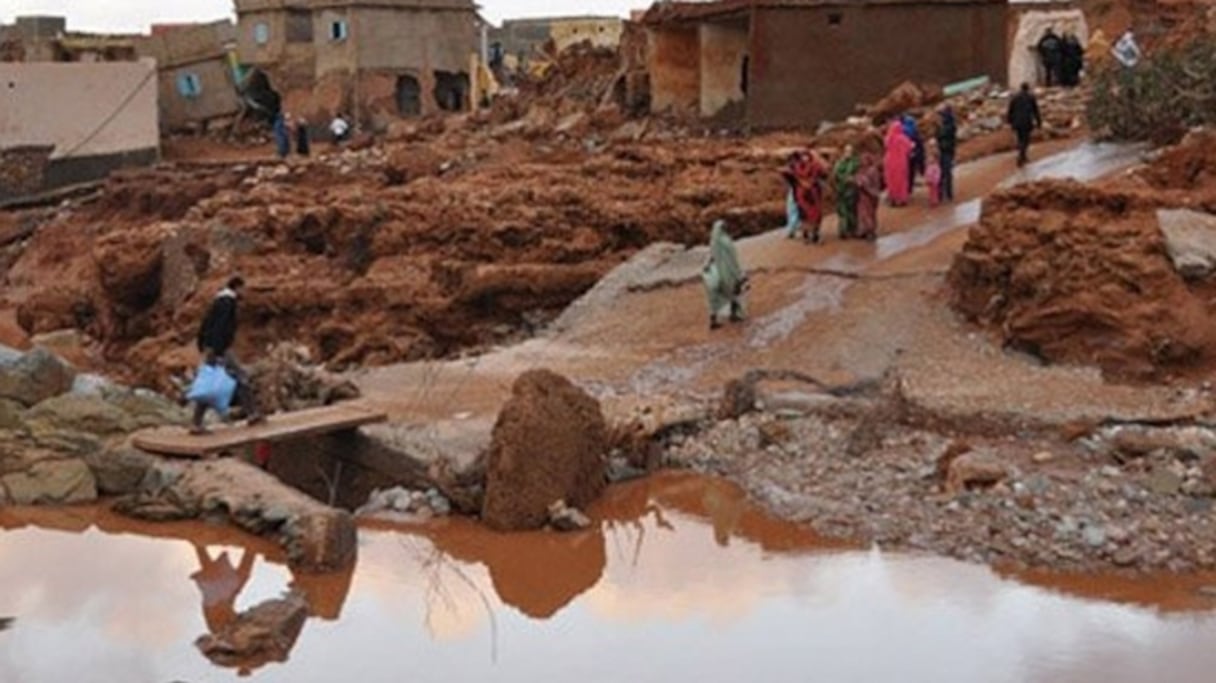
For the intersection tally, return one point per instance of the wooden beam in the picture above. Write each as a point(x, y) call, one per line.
point(178, 441)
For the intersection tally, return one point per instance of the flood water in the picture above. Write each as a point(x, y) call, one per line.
point(682, 581)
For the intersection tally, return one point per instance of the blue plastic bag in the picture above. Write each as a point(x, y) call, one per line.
point(214, 387)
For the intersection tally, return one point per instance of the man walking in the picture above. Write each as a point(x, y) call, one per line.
point(1024, 117)
point(215, 337)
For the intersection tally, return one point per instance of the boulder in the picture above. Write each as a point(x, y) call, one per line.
point(34, 377)
point(123, 470)
point(264, 633)
point(78, 413)
point(11, 415)
point(1190, 238)
point(547, 445)
point(49, 481)
point(974, 469)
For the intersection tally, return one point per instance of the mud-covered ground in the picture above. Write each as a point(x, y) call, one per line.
point(1085, 274)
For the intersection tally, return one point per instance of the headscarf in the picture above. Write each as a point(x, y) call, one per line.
point(894, 131)
point(725, 257)
point(909, 126)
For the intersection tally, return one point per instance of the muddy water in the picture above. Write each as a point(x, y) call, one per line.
point(682, 581)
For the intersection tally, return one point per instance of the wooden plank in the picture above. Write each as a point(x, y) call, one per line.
point(178, 440)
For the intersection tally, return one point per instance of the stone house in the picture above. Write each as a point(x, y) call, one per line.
point(373, 60)
point(777, 63)
point(47, 39)
point(196, 73)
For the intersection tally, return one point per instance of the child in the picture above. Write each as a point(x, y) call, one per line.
point(933, 177)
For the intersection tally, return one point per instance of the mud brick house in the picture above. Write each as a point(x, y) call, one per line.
point(62, 124)
point(776, 63)
point(520, 38)
point(372, 59)
point(196, 78)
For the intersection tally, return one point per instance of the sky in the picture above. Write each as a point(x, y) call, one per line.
point(135, 15)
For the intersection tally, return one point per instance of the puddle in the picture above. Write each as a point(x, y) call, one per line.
point(817, 293)
point(683, 581)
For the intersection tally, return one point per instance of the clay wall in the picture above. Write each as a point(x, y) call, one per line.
point(811, 64)
point(723, 47)
point(674, 62)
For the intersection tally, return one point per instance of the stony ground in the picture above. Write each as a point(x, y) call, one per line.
point(1129, 497)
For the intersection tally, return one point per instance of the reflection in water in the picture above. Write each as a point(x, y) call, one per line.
point(682, 580)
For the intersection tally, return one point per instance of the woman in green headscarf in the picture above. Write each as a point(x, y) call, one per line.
point(844, 182)
point(723, 276)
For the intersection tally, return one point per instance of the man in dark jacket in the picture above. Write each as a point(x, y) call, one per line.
point(947, 146)
point(215, 337)
point(1051, 51)
point(1024, 117)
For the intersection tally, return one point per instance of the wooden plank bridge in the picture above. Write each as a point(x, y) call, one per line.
point(178, 441)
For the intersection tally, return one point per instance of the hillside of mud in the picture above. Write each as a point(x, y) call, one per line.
point(398, 252)
point(1084, 274)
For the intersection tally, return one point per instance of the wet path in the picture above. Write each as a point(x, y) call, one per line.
point(681, 581)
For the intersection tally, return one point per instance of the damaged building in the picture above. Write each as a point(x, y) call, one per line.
point(374, 60)
point(64, 124)
point(774, 63)
point(521, 38)
point(47, 39)
point(197, 78)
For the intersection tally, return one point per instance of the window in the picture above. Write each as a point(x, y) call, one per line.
point(261, 33)
point(338, 30)
point(189, 85)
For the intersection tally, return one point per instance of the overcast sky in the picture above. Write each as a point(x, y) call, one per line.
point(136, 15)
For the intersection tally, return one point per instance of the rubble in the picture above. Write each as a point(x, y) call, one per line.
point(1082, 274)
point(564, 518)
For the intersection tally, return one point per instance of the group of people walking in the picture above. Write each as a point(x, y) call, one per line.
point(858, 179)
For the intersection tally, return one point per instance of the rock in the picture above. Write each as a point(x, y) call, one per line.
point(262, 634)
point(162, 507)
point(563, 518)
point(78, 413)
point(1164, 482)
point(619, 470)
point(548, 444)
point(1094, 536)
point(123, 470)
point(1042, 457)
point(974, 468)
point(87, 384)
point(34, 377)
point(11, 413)
point(50, 481)
point(1190, 237)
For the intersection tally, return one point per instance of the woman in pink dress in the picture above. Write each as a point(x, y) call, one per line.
point(896, 163)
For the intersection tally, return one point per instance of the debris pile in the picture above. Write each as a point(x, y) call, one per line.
point(1083, 274)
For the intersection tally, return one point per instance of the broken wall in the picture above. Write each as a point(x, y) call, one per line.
point(97, 116)
point(1024, 64)
point(723, 47)
point(674, 60)
point(811, 64)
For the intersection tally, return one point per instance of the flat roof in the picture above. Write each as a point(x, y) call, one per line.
point(691, 11)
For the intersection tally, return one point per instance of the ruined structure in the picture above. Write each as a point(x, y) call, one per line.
point(47, 39)
point(373, 61)
point(799, 62)
point(196, 80)
point(68, 123)
point(520, 38)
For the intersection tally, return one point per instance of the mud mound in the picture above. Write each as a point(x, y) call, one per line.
point(548, 445)
point(1081, 274)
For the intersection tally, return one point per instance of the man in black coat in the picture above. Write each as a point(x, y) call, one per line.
point(1024, 117)
point(1051, 51)
point(215, 338)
